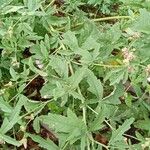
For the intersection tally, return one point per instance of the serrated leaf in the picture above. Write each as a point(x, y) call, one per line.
point(113, 98)
point(59, 91)
point(76, 95)
point(71, 125)
point(90, 43)
point(47, 144)
point(10, 9)
point(143, 124)
point(33, 68)
point(47, 41)
point(95, 85)
point(77, 77)
point(117, 134)
point(13, 74)
point(71, 41)
point(139, 136)
point(115, 76)
point(4, 2)
point(25, 27)
point(62, 123)
point(14, 116)
point(36, 125)
point(47, 90)
point(86, 56)
point(53, 20)
point(44, 50)
point(115, 32)
point(97, 122)
point(4, 106)
point(10, 140)
point(71, 115)
point(143, 22)
point(146, 105)
point(60, 65)
point(33, 4)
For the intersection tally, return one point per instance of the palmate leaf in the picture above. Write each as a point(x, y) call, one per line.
point(72, 42)
point(57, 35)
point(10, 9)
point(47, 144)
point(71, 125)
point(117, 134)
point(61, 123)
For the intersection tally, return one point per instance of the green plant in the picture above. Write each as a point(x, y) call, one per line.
point(105, 6)
point(81, 79)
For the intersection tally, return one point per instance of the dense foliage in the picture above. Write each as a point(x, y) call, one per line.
point(75, 74)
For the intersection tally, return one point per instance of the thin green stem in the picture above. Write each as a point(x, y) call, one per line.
point(106, 147)
point(76, 63)
point(111, 126)
point(88, 144)
point(127, 135)
point(65, 145)
point(44, 104)
point(24, 87)
point(51, 3)
point(104, 120)
point(101, 65)
point(79, 91)
point(99, 20)
point(84, 108)
point(36, 75)
point(111, 18)
point(92, 110)
point(109, 66)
